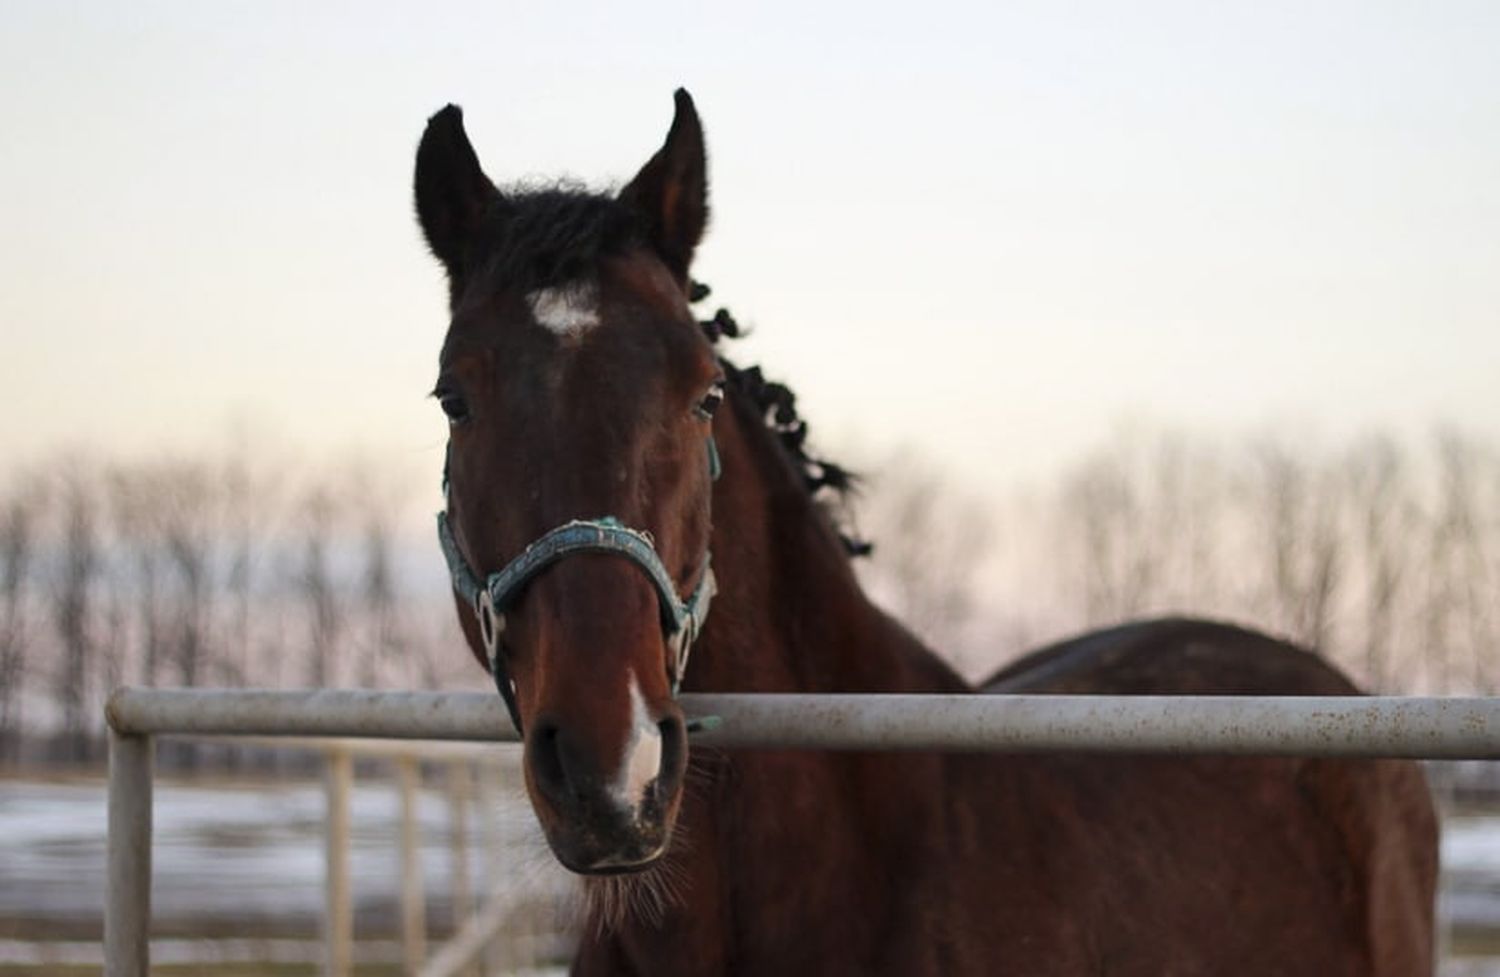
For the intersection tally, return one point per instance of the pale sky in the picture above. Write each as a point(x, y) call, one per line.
point(992, 229)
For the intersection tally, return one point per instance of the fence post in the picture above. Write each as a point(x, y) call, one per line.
point(127, 909)
point(458, 808)
point(338, 914)
point(487, 787)
point(413, 891)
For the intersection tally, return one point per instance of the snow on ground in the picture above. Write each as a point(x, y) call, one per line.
point(239, 852)
point(1472, 844)
point(255, 852)
point(1471, 871)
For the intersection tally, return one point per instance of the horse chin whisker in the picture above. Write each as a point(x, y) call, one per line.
point(612, 901)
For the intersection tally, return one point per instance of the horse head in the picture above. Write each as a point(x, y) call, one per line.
point(579, 392)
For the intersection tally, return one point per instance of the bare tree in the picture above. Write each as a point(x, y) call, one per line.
point(188, 537)
point(236, 532)
point(381, 610)
point(109, 653)
point(1460, 613)
point(930, 543)
point(249, 495)
point(1299, 516)
point(18, 527)
point(133, 497)
point(318, 589)
point(72, 607)
point(1102, 513)
point(1383, 522)
point(1325, 568)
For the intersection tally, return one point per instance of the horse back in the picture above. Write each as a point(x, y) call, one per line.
point(1376, 816)
point(1171, 656)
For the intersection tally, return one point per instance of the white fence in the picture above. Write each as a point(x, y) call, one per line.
point(1281, 726)
point(470, 778)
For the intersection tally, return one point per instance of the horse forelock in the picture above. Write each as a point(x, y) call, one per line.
point(552, 237)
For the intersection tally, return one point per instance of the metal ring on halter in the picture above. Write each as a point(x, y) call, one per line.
point(491, 627)
point(491, 623)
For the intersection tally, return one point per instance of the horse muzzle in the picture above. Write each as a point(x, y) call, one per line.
point(607, 823)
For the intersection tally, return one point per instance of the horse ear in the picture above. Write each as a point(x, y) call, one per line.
point(453, 194)
point(671, 190)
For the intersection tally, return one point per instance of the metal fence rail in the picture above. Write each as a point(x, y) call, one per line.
point(1363, 726)
point(1265, 726)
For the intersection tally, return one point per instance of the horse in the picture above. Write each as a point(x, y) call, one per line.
point(628, 514)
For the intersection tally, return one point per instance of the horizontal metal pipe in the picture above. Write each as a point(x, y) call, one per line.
point(311, 712)
point(1347, 726)
point(1447, 728)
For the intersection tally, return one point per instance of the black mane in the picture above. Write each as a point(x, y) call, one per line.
point(547, 237)
point(778, 407)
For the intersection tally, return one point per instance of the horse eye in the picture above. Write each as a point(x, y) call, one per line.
point(710, 401)
point(453, 405)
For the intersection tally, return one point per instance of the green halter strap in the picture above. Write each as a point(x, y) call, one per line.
point(492, 597)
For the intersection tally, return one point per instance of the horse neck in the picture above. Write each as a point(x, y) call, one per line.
point(790, 615)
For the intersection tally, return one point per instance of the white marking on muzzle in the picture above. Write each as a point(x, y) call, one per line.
point(641, 761)
point(568, 310)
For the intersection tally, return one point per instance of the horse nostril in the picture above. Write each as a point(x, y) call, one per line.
point(673, 755)
point(548, 751)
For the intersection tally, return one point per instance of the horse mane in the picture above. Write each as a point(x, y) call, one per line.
point(830, 484)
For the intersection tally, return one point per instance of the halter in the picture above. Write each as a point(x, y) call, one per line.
point(491, 598)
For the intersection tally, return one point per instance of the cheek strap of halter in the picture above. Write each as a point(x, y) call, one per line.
point(682, 620)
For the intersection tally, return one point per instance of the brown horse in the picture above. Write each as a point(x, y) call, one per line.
point(587, 533)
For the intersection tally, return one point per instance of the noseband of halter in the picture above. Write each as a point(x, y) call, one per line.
point(492, 597)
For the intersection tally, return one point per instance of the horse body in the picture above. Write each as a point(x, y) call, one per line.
point(828, 863)
point(581, 393)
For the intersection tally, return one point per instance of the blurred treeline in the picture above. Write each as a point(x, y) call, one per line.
point(1384, 555)
point(233, 570)
point(224, 571)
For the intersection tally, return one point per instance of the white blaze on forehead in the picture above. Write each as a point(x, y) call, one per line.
point(568, 310)
point(641, 761)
